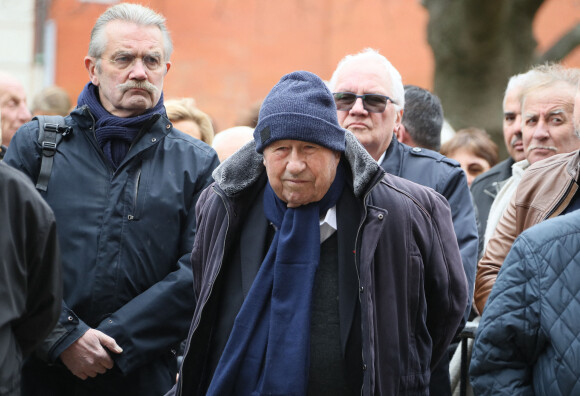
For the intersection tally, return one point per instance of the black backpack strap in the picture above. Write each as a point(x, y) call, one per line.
point(51, 131)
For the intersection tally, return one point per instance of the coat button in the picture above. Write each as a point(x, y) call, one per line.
point(381, 216)
point(70, 318)
point(167, 126)
point(417, 149)
point(361, 289)
point(154, 140)
point(364, 367)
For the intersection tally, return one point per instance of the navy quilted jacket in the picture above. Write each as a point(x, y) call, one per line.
point(528, 342)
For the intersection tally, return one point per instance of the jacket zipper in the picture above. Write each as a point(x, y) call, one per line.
point(357, 260)
point(135, 196)
point(560, 201)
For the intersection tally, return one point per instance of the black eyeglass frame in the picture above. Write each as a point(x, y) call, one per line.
point(364, 101)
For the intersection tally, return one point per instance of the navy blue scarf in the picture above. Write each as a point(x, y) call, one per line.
point(115, 134)
point(268, 351)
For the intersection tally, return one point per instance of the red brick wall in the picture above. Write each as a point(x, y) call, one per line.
point(229, 54)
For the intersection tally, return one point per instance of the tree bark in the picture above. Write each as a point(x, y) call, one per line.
point(477, 46)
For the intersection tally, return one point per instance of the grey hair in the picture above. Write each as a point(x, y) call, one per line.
point(547, 75)
point(423, 117)
point(519, 82)
point(127, 12)
point(398, 92)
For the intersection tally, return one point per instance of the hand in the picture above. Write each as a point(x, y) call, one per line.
point(87, 356)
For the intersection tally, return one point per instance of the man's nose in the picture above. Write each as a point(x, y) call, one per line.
point(295, 163)
point(358, 107)
point(138, 70)
point(518, 125)
point(541, 132)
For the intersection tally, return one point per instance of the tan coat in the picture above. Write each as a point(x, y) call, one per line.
point(544, 192)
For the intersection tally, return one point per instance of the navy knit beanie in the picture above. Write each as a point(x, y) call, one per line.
point(299, 107)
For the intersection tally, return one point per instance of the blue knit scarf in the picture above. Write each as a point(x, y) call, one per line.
point(115, 134)
point(268, 351)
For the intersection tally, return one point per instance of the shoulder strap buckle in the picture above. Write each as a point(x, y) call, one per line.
point(49, 136)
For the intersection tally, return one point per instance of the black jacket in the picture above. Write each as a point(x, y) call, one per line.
point(445, 176)
point(30, 280)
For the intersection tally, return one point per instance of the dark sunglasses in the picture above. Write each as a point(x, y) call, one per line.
point(372, 103)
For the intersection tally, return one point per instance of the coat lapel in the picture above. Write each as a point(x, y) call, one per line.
point(348, 219)
point(253, 244)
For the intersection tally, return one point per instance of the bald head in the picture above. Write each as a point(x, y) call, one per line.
point(230, 140)
point(13, 108)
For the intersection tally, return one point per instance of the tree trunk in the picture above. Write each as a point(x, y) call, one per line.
point(477, 46)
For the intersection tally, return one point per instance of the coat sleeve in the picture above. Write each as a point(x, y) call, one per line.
point(465, 226)
point(445, 282)
point(33, 259)
point(157, 320)
point(44, 284)
point(509, 337)
point(495, 253)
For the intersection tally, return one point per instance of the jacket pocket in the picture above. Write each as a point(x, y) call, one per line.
point(415, 288)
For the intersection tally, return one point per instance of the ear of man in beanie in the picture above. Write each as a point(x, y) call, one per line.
point(299, 107)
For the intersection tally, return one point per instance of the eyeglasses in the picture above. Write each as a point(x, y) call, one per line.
point(124, 60)
point(372, 103)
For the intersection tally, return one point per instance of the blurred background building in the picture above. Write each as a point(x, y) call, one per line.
point(228, 54)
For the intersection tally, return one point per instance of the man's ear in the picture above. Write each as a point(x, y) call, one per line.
point(398, 123)
point(91, 66)
point(400, 132)
point(403, 136)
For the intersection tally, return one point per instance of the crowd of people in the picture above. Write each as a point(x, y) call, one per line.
point(331, 244)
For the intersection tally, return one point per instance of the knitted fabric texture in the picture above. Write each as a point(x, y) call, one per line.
point(299, 107)
point(115, 134)
point(268, 350)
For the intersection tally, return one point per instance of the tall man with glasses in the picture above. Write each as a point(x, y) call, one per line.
point(123, 187)
point(370, 99)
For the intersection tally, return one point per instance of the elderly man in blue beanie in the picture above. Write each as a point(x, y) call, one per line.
point(315, 272)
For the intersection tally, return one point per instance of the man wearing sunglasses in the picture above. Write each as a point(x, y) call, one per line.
point(370, 98)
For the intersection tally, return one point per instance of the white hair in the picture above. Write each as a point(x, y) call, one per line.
point(517, 83)
point(398, 91)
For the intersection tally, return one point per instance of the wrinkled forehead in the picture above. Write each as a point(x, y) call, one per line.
point(123, 36)
point(13, 90)
point(559, 97)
